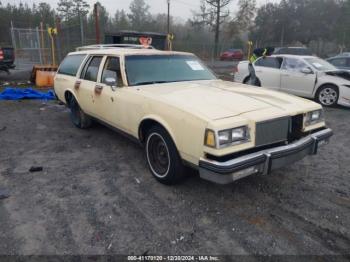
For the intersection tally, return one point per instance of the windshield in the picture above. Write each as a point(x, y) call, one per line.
point(320, 64)
point(151, 69)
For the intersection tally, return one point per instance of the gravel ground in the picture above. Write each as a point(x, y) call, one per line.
point(95, 195)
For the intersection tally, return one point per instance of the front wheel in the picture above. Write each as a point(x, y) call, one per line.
point(163, 158)
point(327, 95)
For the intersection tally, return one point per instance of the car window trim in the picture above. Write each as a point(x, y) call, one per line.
point(268, 57)
point(103, 63)
point(86, 65)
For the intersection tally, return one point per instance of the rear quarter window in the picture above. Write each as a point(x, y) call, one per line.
point(70, 65)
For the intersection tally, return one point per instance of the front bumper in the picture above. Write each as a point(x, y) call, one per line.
point(264, 161)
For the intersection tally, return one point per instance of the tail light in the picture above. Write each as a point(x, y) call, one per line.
point(1, 54)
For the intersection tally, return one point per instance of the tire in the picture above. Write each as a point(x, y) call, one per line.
point(247, 82)
point(163, 159)
point(77, 116)
point(327, 95)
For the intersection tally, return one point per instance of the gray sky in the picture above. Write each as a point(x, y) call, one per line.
point(179, 8)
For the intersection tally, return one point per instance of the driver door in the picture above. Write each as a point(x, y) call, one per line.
point(293, 80)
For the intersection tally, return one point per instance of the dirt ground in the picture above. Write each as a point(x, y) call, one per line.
point(95, 195)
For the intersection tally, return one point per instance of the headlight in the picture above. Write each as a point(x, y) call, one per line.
point(227, 137)
point(313, 117)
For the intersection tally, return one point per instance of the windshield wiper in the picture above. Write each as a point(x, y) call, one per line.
point(150, 83)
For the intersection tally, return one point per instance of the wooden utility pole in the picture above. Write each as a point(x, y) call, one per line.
point(97, 23)
point(168, 1)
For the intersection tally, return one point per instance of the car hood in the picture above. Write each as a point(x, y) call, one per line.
point(217, 99)
point(344, 74)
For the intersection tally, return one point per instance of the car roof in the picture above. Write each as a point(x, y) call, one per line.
point(295, 56)
point(338, 56)
point(127, 51)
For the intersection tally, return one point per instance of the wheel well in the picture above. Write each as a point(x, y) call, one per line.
point(326, 84)
point(145, 126)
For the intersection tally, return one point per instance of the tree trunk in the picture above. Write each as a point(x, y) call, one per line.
point(217, 29)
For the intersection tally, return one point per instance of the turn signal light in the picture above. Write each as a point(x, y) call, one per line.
point(209, 138)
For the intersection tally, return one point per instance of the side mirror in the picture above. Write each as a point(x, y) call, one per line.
point(110, 81)
point(306, 70)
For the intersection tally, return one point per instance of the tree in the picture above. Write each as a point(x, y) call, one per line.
point(65, 9)
point(214, 13)
point(68, 9)
point(139, 15)
point(121, 20)
point(243, 20)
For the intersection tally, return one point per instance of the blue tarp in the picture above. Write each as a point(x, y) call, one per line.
point(11, 93)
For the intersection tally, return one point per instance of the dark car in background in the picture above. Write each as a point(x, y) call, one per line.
point(292, 51)
point(340, 62)
point(7, 58)
point(232, 54)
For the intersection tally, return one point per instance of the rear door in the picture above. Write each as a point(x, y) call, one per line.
point(267, 69)
point(85, 86)
point(294, 81)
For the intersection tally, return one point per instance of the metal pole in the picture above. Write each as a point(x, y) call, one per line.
point(81, 29)
point(39, 44)
point(97, 23)
point(168, 16)
point(13, 37)
point(42, 42)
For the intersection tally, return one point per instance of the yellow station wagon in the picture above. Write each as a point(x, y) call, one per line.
point(183, 115)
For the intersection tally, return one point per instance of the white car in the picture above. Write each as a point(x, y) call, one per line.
point(306, 76)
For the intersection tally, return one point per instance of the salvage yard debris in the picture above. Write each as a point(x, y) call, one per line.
point(4, 193)
point(36, 169)
point(12, 93)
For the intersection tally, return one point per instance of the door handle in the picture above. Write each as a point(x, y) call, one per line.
point(98, 89)
point(285, 75)
point(258, 71)
point(77, 84)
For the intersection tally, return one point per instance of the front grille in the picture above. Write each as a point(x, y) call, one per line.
point(272, 131)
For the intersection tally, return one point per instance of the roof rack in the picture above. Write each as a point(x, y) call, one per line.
point(112, 46)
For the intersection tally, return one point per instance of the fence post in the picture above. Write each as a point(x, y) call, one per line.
point(13, 36)
point(39, 44)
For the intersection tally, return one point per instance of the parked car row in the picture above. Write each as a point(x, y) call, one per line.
point(182, 115)
point(305, 76)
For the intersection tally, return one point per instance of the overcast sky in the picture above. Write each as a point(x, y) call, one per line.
point(179, 8)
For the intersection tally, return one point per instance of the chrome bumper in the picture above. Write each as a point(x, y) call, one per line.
point(264, 161)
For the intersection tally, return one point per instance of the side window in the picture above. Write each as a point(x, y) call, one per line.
point(272, 62)
point(293, 64)
point(339, 62)
point(112, 70)
point(90, 71)
point(71, 64)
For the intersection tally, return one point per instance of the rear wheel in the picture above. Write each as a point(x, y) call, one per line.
point(163, 158)
point(248, 81)
point(78, 117)
point(327, 95)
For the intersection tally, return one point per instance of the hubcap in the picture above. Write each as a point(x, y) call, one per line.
point(158, 155)
point(328, 96)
